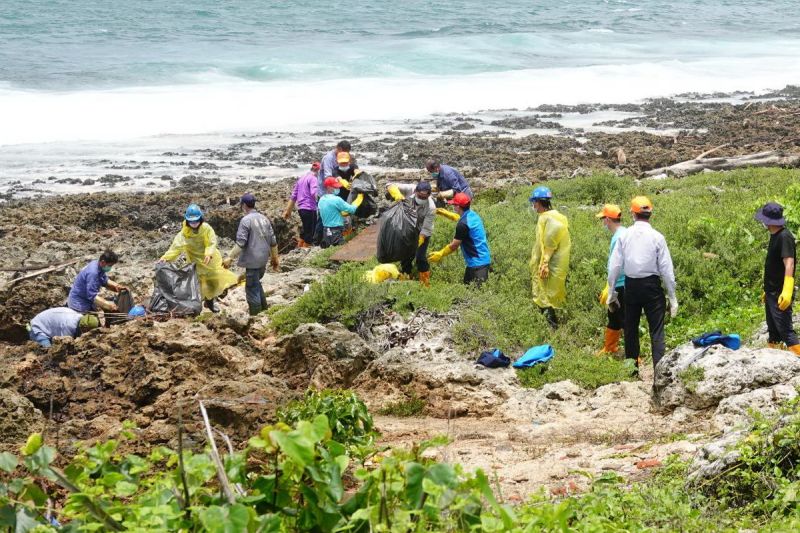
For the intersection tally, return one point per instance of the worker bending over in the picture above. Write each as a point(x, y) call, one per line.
point(471, 237)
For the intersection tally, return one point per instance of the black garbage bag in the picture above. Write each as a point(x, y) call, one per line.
point(364, 183)
point(176, 290)
point(397, 238)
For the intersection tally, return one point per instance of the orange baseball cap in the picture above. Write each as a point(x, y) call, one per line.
point(610, 211)
point(641, 204)
point(343, 157)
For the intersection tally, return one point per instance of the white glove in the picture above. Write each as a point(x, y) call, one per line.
point(673, 306)
point(612, 298)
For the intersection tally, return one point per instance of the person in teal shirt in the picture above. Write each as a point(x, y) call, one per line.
point(611, 216)
point(331, 208)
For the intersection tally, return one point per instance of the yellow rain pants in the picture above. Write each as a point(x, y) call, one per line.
point(552, 238)
point(214, 278)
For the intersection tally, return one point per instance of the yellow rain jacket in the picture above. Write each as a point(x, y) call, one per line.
point(214, 278)
point(382, 272)
point(552, 236)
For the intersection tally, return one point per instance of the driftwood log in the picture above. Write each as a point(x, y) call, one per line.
point(773, 158)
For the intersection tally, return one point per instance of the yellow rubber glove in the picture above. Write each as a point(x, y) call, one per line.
point(420, 241)
point(435, 257)
point(358, 200)
point(544, 267)
point(447, 214)
point(394, 192)
point(785, 297)
point(345, 183)
point(604, 295)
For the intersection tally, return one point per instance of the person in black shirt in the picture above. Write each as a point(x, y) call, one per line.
point(779, 278)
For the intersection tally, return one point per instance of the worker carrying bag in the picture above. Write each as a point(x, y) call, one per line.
point(398, 236)
point(176, 290)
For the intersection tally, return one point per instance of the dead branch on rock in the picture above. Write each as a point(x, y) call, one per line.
point(773, 158)
point(223, 477)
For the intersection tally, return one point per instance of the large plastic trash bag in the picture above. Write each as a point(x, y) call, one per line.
point(552, 233)
point(176, 290)
point(365, 184)
point(397, 238)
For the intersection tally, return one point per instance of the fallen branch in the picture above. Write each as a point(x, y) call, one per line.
point(223, 477)
point(774, 158)
point(709, 152)
point(41, 271)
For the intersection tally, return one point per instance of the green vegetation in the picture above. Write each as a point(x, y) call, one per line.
point(717, 248)
point(691, 376)
point(411, 406)
point(299, 478)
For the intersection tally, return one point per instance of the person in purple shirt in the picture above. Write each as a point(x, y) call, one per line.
point(304, 196)
point(84, 294)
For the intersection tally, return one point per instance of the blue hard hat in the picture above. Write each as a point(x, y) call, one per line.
point(193, 213)
point(137, 310)
point(540, 193)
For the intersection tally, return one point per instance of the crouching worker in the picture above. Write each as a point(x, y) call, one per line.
point(426, 210)
point(471, 237)
point(85, 290)
point(59, 322)
point(779, 278)
point(331, 208)
point(198, 242)
point(255, 244)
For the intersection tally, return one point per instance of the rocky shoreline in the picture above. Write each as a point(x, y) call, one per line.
point(142, 371)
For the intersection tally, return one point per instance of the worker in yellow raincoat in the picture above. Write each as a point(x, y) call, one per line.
point(550, 256)
point(198, 242)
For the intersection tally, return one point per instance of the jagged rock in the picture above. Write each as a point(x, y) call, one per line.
point(19, 418)
point(321, 356)
point(713, 458)
point(244, 405)
point(735, 410)
point(561, 390)
point(701, 378)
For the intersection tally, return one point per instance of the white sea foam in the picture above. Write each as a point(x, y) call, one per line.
point(229, 105)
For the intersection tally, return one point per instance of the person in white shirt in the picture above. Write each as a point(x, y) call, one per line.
point(642, 254)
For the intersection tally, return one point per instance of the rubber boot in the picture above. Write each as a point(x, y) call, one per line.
point(425, 278)
point(302, 244)
point(611, 342)
point(795, 349)
point(212, 306)
point(775, 345)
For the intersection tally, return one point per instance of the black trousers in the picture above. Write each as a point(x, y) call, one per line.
point(476, 275)
point(616, 318)
point(309, 219)
point(332, 237)
point(779, 323)
point(644, 294)
point(421, 257)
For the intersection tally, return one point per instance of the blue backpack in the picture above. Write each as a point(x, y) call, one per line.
point(493, 359)
point(731, 341)
point(535, 356)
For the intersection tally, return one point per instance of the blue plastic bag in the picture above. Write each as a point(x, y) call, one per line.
point(493, 359)
point(535, 356)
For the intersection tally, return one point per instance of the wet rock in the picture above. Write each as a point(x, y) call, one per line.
point(700, 378)
point(19, 419)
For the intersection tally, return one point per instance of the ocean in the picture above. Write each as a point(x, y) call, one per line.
point(83, 71)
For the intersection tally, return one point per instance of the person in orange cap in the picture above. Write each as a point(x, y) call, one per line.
point(611, 216)
point(643, 256)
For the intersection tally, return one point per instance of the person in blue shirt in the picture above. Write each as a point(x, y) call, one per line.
point(449, 181)
point(611, 216)
point(84, 294)
point(331, 207)
point(471, 237)
point(59, 322)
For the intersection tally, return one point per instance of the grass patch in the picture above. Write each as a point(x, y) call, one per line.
point(717, 248)
point(691, 376)
point(412, 406)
